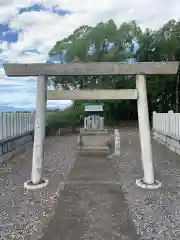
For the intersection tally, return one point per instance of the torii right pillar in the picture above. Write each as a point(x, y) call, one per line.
point(148, 180)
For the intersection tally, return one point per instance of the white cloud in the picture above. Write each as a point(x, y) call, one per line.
point(23, 93)
point(50, 103)
point(43, 29)
point(6, 13)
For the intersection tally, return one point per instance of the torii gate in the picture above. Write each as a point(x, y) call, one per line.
point(139, 69)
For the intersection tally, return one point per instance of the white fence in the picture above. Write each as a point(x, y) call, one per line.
point(166, 130)
point(15, 124)
point(167, 123)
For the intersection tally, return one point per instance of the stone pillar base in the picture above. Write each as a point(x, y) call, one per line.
point(30, 186)
point(140, 183)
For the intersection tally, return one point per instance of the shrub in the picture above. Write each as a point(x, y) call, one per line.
point(68, 118)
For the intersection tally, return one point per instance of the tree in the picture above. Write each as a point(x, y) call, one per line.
point(107, 42)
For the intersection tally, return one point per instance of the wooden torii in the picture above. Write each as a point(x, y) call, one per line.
point(139, 69)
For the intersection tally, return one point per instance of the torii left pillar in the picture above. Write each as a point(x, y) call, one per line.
point(37, 182)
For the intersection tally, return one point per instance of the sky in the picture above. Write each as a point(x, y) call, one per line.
point(30, 28)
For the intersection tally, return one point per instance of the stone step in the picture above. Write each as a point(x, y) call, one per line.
point(94, 132)
point(94, 151)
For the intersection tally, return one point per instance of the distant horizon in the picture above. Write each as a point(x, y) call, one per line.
point(4, 108)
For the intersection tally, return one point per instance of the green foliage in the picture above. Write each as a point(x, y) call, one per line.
point(68, 118)
point(160, 45)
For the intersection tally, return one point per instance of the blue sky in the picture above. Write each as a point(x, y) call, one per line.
point(29, 30)
point(20, 92)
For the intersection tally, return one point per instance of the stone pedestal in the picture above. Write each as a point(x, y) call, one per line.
point(117, 149)
point(93, 142)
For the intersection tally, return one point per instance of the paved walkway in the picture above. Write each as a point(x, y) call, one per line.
point(92, 205)
point(99, 201)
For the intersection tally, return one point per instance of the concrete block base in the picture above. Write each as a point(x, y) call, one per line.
point(171, 142)
point(93, 142)
point(117, 153)
point(93, 151)
point(140, 183)
point(30, 186)
point(93, 131)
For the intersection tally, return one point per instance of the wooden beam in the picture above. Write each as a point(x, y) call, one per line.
point(87, 69)
point(92, 94)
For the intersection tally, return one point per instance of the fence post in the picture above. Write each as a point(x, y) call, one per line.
point(26, 117)
point(166, 123)
point(178, 124)
point(1, 126)
point(170, 127)
point(4, 117)
point(24, 123)
point(8, 124)
point(154, 120)
point(173, 124)
point(12, 124)
point(163, 122)
point(32, 121)
point(16, 124)
point(20, 123)
point(28, 122)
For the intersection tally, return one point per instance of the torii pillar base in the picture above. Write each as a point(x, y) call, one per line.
point(30, 186)
point(140, 183)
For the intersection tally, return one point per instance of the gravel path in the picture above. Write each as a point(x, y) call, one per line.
point(92, 205)
point(156, 214)
point(100, 200)
point(23, 212)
